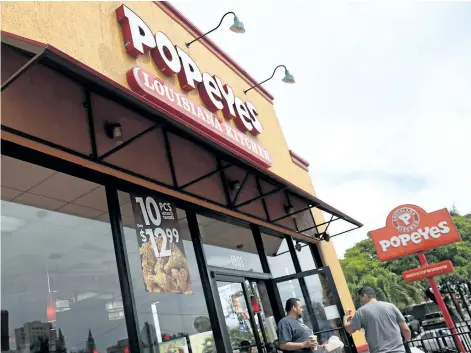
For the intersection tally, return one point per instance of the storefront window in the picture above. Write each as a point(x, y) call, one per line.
point(323, 304)
point(229, 246)
point(60, 286)
point(278, 255)
point(292, 289)
point(306, 260)
point(169, 297)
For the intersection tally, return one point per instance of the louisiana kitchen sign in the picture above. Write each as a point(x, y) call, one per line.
point(216, 95)
point(410, 230)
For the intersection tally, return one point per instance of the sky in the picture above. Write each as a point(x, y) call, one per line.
point(381, 107)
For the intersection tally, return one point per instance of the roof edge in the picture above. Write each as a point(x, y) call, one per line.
point(213, 47)
point(298, 160)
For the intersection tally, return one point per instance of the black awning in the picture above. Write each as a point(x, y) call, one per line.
point(296, 202)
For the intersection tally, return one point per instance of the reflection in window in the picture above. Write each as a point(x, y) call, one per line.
point(229, 246)
point(292, 289)
point(169, 316)
point(323, 304)
point(236, 314)
point(279, 257)
point(60, 284)
point(265, 313)
point(306, 260)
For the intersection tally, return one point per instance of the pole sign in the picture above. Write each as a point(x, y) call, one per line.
point(410, 230)
point(163, 260)
point(428, 271)
point(171, 60)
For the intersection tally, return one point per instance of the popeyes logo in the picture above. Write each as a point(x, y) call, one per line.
point(410, 230)
point(172, 60)
point(405, 219)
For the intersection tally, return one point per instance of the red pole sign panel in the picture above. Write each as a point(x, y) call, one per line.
point(410, 230)
point(428, 271)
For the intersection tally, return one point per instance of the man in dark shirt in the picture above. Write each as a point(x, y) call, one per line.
point(293, 335)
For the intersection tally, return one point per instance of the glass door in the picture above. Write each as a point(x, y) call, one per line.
point(323, 310)
point(238, 315)
point(245, 312)
point(261, 307)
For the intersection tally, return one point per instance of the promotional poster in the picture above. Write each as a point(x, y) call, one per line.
point(164, 264)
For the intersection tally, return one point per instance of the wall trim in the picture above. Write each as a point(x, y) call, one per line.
point(298, 160)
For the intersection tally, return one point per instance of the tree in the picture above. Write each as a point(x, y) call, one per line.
point(235, 337)
point(90, 343)
point(61, 346)
point(453, 211)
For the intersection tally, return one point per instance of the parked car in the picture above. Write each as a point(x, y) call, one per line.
point(441, 340)
point(433, 319)
point(434, 341)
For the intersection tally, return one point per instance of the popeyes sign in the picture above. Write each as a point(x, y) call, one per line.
point(410, 230)
point(215, 94)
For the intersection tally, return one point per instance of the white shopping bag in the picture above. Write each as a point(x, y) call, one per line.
point(333, 345)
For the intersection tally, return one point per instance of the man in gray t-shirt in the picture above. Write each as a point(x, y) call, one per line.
point(382, 322)
point(294, 336)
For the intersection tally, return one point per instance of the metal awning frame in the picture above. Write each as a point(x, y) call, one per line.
point(96, 83)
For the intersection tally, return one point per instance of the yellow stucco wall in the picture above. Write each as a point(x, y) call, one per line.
point(89, 32)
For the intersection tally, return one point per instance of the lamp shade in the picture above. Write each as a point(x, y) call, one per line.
point(118, 315)
point(62, 304)
point(237, 26)
point(114, 306)
point(288, 77)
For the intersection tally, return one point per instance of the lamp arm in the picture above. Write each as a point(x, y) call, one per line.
point(268, 79)
point(212, 30)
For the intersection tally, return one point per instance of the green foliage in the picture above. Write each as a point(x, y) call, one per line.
point(235, 337)
point(362, 267)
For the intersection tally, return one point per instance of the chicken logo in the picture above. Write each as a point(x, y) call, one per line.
point(405, 219)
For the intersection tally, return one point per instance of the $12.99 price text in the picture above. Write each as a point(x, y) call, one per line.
point(151, 213)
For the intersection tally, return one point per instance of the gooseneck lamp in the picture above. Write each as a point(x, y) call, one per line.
point(288, 78)
point(237, 27)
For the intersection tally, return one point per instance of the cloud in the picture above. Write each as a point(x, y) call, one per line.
point(382, 102)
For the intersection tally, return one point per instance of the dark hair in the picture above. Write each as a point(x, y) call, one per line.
point(245, 346)
point(290, 303)
point(368, 291)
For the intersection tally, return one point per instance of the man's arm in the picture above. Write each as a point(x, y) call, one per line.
point(402, 324)
point(405, 330)
point(351, 323)
point(347, 324)
point(294, 346)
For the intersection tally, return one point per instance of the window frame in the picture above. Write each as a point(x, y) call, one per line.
point(112, 184)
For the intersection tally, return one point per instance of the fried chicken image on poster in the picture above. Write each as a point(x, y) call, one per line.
point(164, 264)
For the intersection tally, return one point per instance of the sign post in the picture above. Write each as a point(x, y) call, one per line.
point(410, 230)
point(441, 304)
